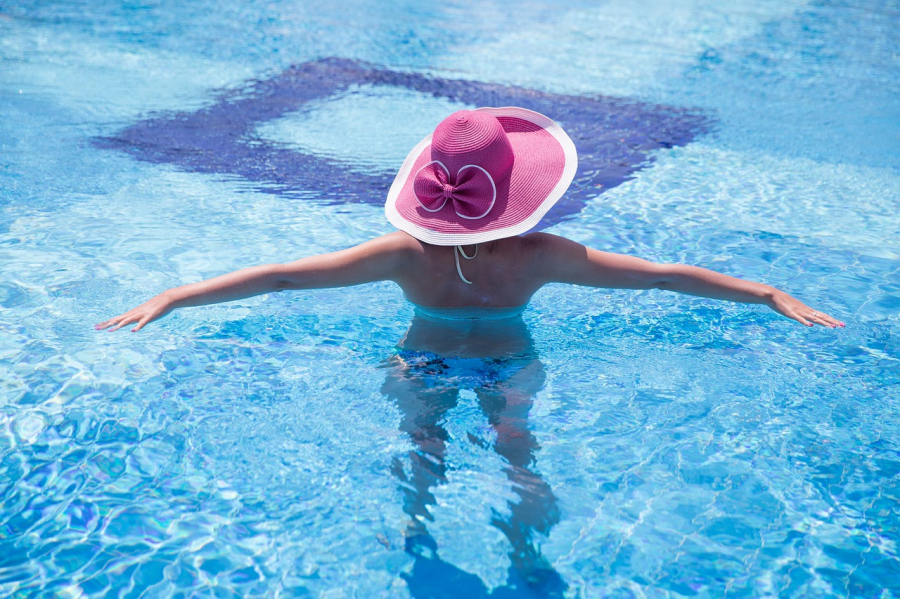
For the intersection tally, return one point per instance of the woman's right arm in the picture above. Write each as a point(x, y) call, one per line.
point(383, 258)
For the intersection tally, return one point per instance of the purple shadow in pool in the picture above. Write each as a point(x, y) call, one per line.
point(613, 136)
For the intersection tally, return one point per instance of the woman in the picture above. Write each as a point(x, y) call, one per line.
point(465, 195)
point(462, 201)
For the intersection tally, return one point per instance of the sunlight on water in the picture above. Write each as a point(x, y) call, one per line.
point(635, 444)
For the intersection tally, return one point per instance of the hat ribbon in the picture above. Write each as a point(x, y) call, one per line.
point(473, 195)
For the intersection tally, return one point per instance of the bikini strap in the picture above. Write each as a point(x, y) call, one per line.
point(456, 254)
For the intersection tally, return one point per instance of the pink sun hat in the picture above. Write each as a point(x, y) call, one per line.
point(483, 174)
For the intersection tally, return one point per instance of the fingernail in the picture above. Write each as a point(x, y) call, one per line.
point(809, 324)
point(134, 330)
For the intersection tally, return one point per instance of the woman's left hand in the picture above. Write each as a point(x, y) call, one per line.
point(147, 312)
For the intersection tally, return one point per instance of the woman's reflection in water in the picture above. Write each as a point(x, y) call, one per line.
point(496, 359)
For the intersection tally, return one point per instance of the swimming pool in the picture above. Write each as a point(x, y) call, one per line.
point(659, 446)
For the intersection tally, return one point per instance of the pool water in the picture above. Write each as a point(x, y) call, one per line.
point(613, 443)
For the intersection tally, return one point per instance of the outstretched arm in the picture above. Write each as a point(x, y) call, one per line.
point(570, 262)
point(380, 259)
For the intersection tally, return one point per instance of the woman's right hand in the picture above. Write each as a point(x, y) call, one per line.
point(147, 312)
point(790, 306)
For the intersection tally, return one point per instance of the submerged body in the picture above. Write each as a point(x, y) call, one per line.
point(470, 336)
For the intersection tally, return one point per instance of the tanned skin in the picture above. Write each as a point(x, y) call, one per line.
point(506, 272)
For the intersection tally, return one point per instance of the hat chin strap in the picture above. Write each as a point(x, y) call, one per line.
point(456, 254)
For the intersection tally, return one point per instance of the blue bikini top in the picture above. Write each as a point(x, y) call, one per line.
point(470, 312)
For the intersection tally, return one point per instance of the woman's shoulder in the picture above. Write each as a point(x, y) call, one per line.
point(399, 240)
point(397, 243)
point(538, 245)
point(542, 238)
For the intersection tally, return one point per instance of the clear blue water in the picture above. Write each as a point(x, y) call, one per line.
point(647, 445)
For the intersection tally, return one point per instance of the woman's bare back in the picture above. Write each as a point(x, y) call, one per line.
point(502, 273)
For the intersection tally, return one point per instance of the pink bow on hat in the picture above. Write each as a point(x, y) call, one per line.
point(473, 194)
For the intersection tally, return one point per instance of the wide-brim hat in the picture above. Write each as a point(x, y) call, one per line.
point(483, 174)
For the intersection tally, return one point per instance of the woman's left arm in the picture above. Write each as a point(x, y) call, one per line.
point(694, 280)
point(566, 261)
